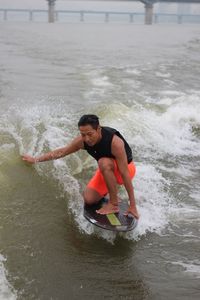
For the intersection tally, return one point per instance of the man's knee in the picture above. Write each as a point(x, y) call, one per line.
point(91, 196)
point(87, 198)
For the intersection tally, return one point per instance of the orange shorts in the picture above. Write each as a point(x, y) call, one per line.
point(98, 184)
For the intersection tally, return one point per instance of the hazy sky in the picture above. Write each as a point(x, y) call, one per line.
point(23, 3)
point(42, 4)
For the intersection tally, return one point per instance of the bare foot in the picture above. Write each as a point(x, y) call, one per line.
point(108, 209)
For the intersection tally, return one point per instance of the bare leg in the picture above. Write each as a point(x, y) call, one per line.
point(91, 196)
point(106, 167)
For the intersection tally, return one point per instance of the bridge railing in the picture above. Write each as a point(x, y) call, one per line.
point(6, 13)
point(178, 18)
point(85, 15)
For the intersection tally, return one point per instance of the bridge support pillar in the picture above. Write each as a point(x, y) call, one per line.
point(31, 16)
point(82, 16)
point(148, 13)
point(51, 11)
point(5, 15)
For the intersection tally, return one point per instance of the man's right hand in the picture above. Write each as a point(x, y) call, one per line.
point(29, 159)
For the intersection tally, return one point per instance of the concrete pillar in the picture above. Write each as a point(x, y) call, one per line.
point(148, 13)
point(179, 19)
point(51, 11)
point(5, 15)
point(106, 17)
point(82, 16)
point(57, 16)
point(156, 19)
point(30, 16)
point(131, 17)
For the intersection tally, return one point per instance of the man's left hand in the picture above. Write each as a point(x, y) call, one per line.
point(133, 211)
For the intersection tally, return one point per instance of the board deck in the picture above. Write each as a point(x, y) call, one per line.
point(114, 221)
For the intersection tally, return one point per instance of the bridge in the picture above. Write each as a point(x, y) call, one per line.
point(147, 3)
point(83, 15)
point(149, 7)
point(149, 16)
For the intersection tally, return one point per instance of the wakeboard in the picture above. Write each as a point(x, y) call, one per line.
point(115, 221)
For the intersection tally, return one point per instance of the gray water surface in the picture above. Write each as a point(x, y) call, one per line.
point(142, 80)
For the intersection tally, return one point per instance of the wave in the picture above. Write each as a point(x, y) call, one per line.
point(38, 130)
point(6, 290)
point(159, 131)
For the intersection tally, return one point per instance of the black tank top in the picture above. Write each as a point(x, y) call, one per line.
point(103, 148)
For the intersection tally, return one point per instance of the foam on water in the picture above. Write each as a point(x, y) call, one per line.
point(35, 140)
point(149, 131)
point(190, 268)
point(99, 83)
point(6, 290)
point(163, 75)
point(152, 200)
point(133, 71)
point(170, 132)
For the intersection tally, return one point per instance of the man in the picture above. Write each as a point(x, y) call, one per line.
point(115, 165)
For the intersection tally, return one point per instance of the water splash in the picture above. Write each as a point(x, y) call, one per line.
point(6, 290)
point(148, 130)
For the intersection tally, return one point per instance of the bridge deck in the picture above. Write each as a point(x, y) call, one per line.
point(83, 13)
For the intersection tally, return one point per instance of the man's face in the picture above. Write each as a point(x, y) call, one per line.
point(90, 135)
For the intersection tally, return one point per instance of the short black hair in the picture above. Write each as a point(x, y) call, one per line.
point(92, 120)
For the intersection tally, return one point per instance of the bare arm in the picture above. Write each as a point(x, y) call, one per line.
point(119, 152)
point(74, 146)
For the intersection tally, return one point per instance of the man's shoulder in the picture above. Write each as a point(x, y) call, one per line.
point(117, 140)
point(109, 129)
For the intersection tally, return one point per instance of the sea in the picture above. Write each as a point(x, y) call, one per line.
point(144, 81)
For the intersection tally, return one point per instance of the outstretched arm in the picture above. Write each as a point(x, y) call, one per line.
point(118, 151)
point(74, 146)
